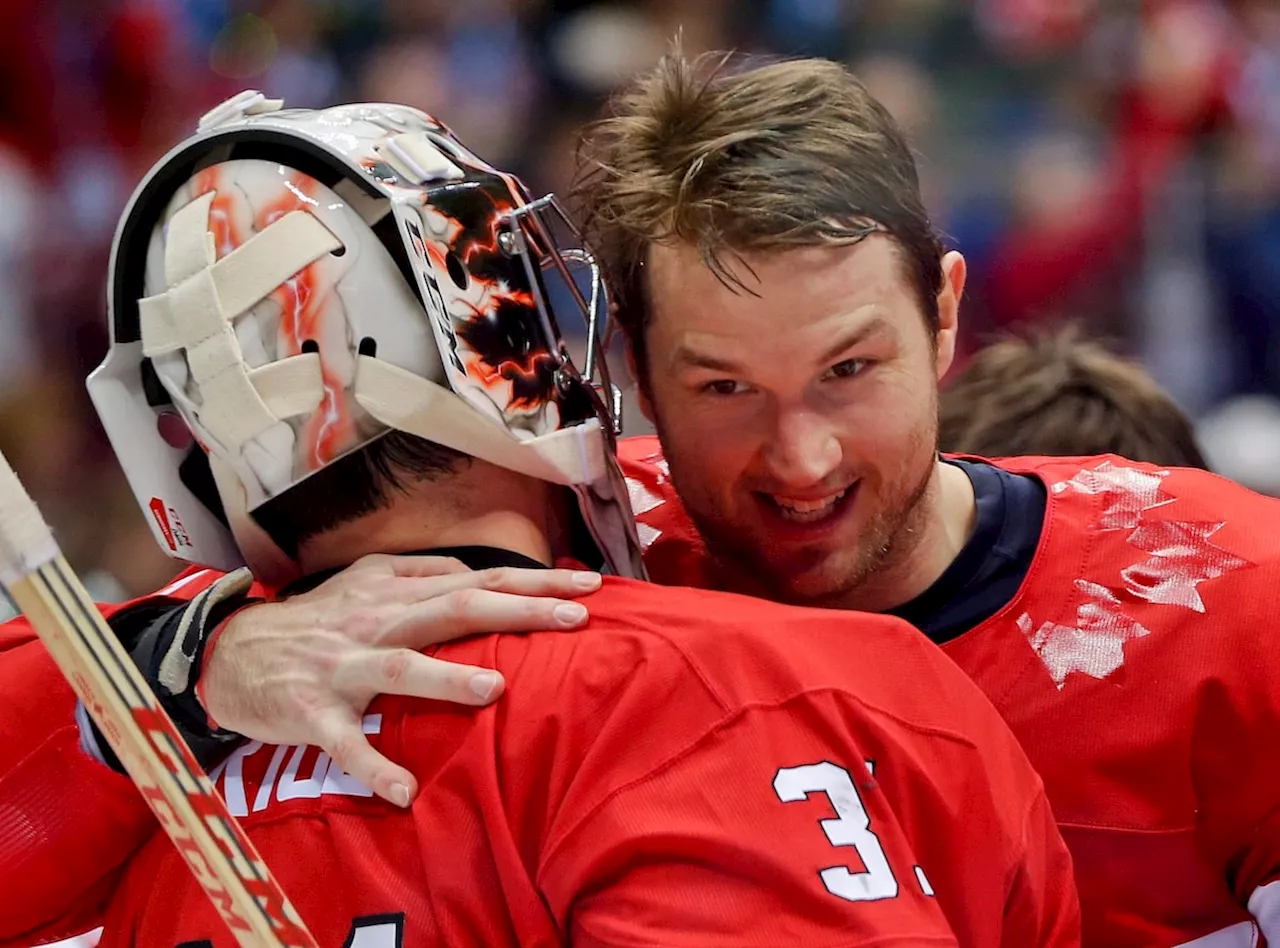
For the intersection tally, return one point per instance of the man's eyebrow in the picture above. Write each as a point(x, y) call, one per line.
point(858, 334)
point(687, 356)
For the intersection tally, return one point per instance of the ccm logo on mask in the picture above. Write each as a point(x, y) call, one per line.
point(433, 297)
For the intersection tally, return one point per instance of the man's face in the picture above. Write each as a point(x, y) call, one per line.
point(800, 423)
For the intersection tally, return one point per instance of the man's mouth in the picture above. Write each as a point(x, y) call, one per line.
point(808, 510)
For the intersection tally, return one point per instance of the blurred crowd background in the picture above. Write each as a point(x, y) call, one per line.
point(1111, 162)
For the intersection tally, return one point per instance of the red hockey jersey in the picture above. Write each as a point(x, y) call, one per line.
point(67, 823)
point(692, 769)
point(1135, 665)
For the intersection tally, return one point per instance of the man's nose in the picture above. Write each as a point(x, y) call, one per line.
point(804, 449)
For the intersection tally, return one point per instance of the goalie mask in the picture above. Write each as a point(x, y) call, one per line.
point(288, 285)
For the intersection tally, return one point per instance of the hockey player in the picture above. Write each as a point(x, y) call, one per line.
point(1117, 613)
point(348, 313)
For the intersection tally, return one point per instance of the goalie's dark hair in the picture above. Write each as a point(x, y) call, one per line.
point(355, 485)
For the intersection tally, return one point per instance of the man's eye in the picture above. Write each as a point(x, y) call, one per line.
point(847, 369)
point(724, 387)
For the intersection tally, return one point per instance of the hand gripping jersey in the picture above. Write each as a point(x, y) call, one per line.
point(1137, 666)
point(693, 769)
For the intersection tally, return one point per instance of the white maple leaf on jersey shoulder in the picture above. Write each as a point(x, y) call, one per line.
point(1179, 555)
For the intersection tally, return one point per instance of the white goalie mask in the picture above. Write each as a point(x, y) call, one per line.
point(288, 285)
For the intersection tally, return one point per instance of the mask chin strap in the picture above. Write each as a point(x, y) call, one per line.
point(610, 523)
point(577, 457)
point(417, 406)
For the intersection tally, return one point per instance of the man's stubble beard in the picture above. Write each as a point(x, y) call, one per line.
point(884, 545)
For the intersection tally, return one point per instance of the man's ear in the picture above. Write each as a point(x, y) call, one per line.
point(954, 273)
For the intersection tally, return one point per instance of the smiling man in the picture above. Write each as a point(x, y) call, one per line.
point(790, 312)
point(807, 458)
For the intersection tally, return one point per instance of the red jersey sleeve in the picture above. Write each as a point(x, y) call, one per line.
point(1236, 769)
point(67, 823)
point(1043, 905)
point(1257, 883)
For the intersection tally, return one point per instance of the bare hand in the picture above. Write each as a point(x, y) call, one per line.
point(303, 670)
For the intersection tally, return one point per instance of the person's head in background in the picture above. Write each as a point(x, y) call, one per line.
point(1058, 393)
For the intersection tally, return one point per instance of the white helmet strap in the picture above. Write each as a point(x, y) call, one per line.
point(205, 295)
point(574, 457)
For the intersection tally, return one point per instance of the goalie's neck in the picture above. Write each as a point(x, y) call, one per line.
point(480, 506)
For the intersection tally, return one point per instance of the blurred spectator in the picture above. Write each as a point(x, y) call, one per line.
point(282, 49)
point(20, 197)
point(1242, 441)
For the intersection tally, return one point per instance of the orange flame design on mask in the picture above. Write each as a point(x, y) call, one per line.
point(486, 298)
point(222, 218)
point(508, 372)
point(304, 302)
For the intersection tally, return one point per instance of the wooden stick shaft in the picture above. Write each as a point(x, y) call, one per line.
point(221, 856)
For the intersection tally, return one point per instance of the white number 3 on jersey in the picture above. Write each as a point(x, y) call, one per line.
point(367, 931)
point(852, 827)
point(376, 931)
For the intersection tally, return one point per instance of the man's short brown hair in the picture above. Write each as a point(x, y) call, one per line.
point(731, 160)
point(1059, 394)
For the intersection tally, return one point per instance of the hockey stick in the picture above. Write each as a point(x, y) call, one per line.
point(224, 861)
